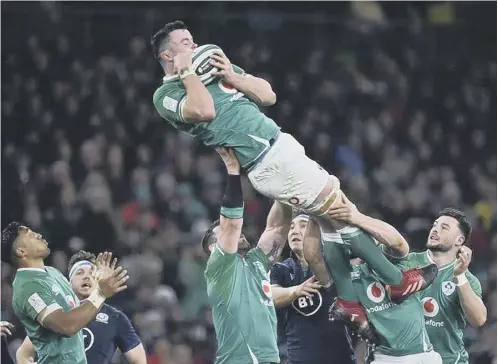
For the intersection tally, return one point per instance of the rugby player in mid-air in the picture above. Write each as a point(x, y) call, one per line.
point(111, 328)
point(304, 305)
point(225, 113)
point(237, 277)
point(399, 326)
point(44, 301)
point(455, 295)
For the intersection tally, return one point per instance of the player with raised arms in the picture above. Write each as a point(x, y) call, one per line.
point(224, 112)
point(399, 325)
point(44, 301)
point(110, 330)
point(237, 276)
point(304, 306)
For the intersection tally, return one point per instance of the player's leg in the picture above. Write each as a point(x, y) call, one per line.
point(330, 260)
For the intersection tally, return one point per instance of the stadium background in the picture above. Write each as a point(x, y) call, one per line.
point(398, 99)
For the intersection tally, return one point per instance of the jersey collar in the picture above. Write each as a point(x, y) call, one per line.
point(169, 78)
point(447, 265)
point(32, 270)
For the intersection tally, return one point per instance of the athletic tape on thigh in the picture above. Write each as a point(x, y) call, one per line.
point(323, 207)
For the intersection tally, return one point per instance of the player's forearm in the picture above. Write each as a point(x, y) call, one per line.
point(199, 105)
point(231, 214)
point(283, 296)
point(272, 241)
point(70, 322)
point(257, 89)
point(472, 305)
point(136, 355)
point(383, 233)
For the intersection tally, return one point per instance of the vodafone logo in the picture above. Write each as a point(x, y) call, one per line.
point(266, 288)
point(376, 292)
point(431, 307)
point(226, 87)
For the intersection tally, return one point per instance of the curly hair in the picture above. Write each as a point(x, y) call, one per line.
point(9, 237)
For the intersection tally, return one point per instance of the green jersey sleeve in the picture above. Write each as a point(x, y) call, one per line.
point(238, 70)
point(474, 283)
point(220, 272)
point(257, 255)
point(34, 297)
point(169, 100)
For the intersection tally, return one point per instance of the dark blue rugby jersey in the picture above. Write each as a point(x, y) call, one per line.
point(310, 337)
point(109, 330)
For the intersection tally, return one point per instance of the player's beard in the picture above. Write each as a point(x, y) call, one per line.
point(440, 248)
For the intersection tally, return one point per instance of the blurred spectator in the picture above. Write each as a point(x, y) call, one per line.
point(395, 99)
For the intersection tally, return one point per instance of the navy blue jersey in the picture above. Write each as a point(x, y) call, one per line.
point(109, 330)
point(6, 357)
point(310, 337)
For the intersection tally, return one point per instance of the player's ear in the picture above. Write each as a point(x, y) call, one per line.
point(460, 240)
point(20, 252)
point(167, 55)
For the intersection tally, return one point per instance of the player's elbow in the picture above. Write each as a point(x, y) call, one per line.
point(480, 320)
point(206, 113)
point(269, 99)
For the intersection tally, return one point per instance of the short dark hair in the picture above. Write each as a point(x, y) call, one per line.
point(79, 256)
point(9, 237)
point(463, 222)
point(209, 237)
point(160, 40)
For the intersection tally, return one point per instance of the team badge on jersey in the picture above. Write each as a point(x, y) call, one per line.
point(266, 288)
point(56, 289)
point(431, 307)
point(376, 292)
point(70, 300)
point(308, 306)
point(448, 288)
point(102, 317)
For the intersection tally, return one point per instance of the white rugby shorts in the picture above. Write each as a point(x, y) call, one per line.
point(430, 357)
point(286, 174)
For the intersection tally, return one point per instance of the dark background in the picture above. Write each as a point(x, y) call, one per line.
point(397, 99)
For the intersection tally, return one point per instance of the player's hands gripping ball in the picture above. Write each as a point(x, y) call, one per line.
point(221, 61)
point(182, 61)
point(230, 160)
point(112, 280)
point(463, 261)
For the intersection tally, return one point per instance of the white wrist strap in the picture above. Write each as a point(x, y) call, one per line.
point(461, 280)
point(96, 298)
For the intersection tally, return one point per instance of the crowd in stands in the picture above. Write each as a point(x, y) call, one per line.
point(397, 101)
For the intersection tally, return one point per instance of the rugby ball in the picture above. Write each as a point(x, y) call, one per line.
point(201, 62)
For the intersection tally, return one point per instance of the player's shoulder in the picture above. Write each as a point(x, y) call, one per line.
point(471, 277)
point(111, 311)
point(288, 264)
point(169, 84)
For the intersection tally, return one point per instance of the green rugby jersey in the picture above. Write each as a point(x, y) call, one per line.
point(244, 317)
point(35, 289)
point(239, 123)
point(444, 316)
point(401, 327)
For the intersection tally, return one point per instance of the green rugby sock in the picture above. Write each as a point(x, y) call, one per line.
point(369, 252)
point(338, 263)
